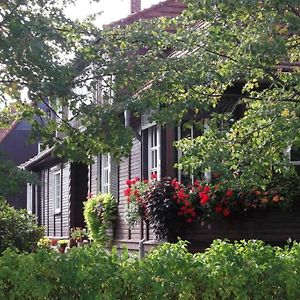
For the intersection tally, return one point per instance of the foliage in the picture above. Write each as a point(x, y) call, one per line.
point(239, 270)
point(99, 214)
point(235, 62)
point(18, 229)
point(12, 178)
point(44, 243)
point(162, 210)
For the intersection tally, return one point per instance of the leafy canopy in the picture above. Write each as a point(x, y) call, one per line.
point(234, 62)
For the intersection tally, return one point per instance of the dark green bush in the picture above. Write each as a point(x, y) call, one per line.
point(18, 229)
point(240, 270)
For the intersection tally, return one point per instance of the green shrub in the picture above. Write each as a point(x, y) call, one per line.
point(99, 214)
point(240, 270)
point(18, 229)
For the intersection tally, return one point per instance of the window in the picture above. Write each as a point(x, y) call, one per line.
point(105, 173)
point(154, 151)
point(57, 192)
point(294, 155)
point(191, 132)
point(29, 197)
point(104, 92)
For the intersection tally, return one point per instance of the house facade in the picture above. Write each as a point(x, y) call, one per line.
point(58, 201)
point(64, 186)
point(15, 146)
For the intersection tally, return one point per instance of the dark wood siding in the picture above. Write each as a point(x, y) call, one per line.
point(16, 148)
point(57, 225)
point(273, 226)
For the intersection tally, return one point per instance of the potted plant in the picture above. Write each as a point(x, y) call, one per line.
point(79, 235)
point(44, 243)
point(99, 214)
point(62, 244)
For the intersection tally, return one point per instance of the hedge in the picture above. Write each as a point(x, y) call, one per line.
point(240, 270)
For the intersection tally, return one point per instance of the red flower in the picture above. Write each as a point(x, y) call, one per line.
point(206, 189)
point(193, 214)
point(204, 198)
point(182, 195)
point(226, 212)
point(189, 220)
point(218, 209)
point(145, 180)
point(128, 182)
point(153, 176)
point(136, 179)
point(187, 203)
point(173, 182)
point(229, 193)
point(127, 191)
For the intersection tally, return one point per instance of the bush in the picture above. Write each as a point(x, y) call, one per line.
point(240, 270)
point(18, 229)
point(99, 214)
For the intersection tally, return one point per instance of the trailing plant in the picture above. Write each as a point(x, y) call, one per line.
point(99, 214)
point(136, 202)
point(18, 229)
point(162, 210)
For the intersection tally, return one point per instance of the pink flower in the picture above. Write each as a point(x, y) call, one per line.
point(187, 203)
point(136, 179)
point(153, 176)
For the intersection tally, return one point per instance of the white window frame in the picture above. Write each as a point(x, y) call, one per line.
point(105, 173)
point(289, 153)
point(29, 197)
point(104, 92)
point(57, 192)
point(154, 157)
point(207, 174)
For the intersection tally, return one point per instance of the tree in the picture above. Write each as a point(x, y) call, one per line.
point(218, 57)
point(12, 178)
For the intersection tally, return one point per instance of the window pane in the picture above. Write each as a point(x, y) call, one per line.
point(295, 154)
point(298, 170)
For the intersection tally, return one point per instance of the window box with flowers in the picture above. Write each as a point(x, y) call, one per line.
point(171, 207)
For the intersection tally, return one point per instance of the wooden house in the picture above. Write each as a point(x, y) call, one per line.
point(64, 186)
point(15, 146)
